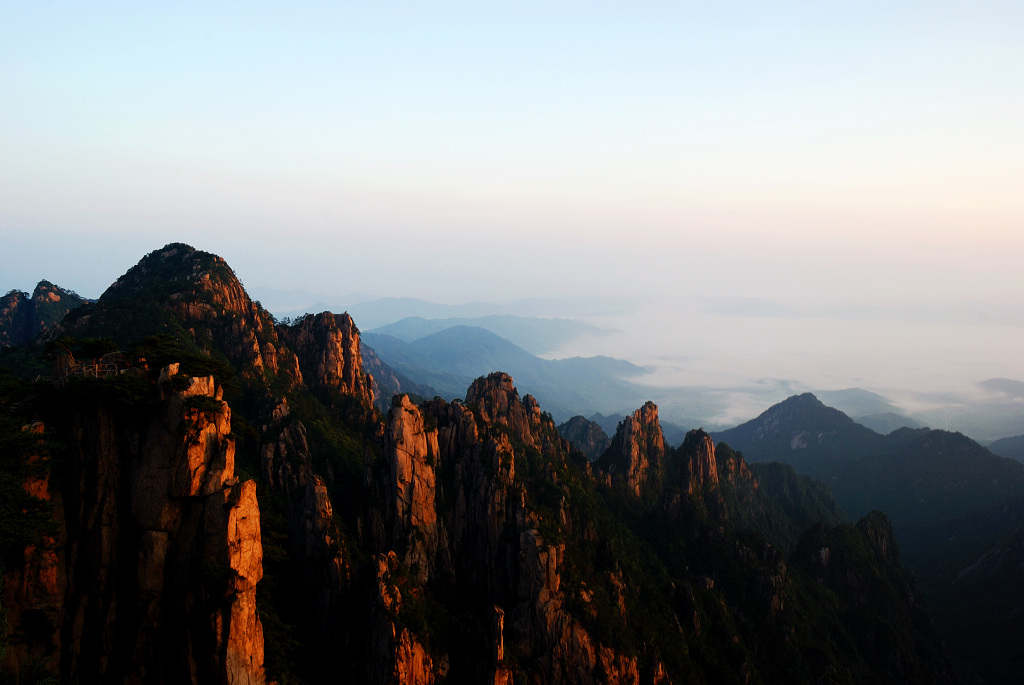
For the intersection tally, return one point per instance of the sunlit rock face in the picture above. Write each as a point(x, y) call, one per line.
point(412, 454)
point(699, 464)
point(636, 456)
point(327, 347)
point(161, 549)
point(33, 591)
point(498, 402)
point(455, 509)
point(397, 655)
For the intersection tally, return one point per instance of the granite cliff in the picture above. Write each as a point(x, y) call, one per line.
point(150, 574)
point(636, 455)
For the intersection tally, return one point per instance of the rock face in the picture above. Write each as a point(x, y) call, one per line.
point(313, 539)
point(455, 493)
point(455, 513)
point(33, 592)
point(397, 656)
point(162, 544)
point(636, 456)
point(412, 454)
point(327, 346)
point(700, 468)
point(498, 402)
point(23, 317)
point(586, 436)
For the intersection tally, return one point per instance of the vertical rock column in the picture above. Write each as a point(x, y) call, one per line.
point(412, 455)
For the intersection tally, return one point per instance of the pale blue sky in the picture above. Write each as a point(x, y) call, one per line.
point(811, 152)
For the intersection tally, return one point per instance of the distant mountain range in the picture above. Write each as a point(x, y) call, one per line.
point(377, 312)
point(534, 334)
point(451, 358)
point(1011, 448)
point(945, 474)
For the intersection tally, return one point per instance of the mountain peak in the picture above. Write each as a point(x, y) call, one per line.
point(22, 317)
point(586, 435)
point(806, 399)
point(700, 464)
point(497, 401)
point(170, 269)
point(637, 452)
point(800, 409)
point(799, 425)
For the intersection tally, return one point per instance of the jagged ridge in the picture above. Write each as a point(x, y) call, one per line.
point(466, 540)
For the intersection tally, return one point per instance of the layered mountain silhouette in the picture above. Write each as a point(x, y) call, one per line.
point(451, 358)
point(1011, 448)
point(195, 493)
point(915, 475)
point(537, 335)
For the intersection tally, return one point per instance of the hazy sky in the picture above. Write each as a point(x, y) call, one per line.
point(817, 155)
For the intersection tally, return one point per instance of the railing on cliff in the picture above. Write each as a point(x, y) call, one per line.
point(110, 364)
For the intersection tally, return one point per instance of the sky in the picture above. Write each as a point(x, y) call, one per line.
point(838, 187)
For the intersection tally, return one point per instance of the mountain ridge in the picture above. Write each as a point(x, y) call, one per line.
point(460, 540)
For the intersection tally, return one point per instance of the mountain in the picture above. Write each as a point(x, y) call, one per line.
point(887, 422)
point(586, 436)
point(608, 423)
point(449, 359)
point(535, 334)
point(23, 317)
point(1011, 448)
point(389, 382)
point(854, 566)
point(914, 475)
point(803, 432)
point(374, 313)
point(857, 401)
point(928, 482)
point(218, 500)
point(868, 409)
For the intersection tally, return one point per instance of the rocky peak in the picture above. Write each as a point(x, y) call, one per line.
point(498, 402)
point(586, 436)
point(174, 269)
point(202, 293)
point(699, 465)
point(636, 455)
point(14, 318)
point(804, 420)
point(780, 416)
point(329, 355)
point(23, 317)
point(733, 468)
